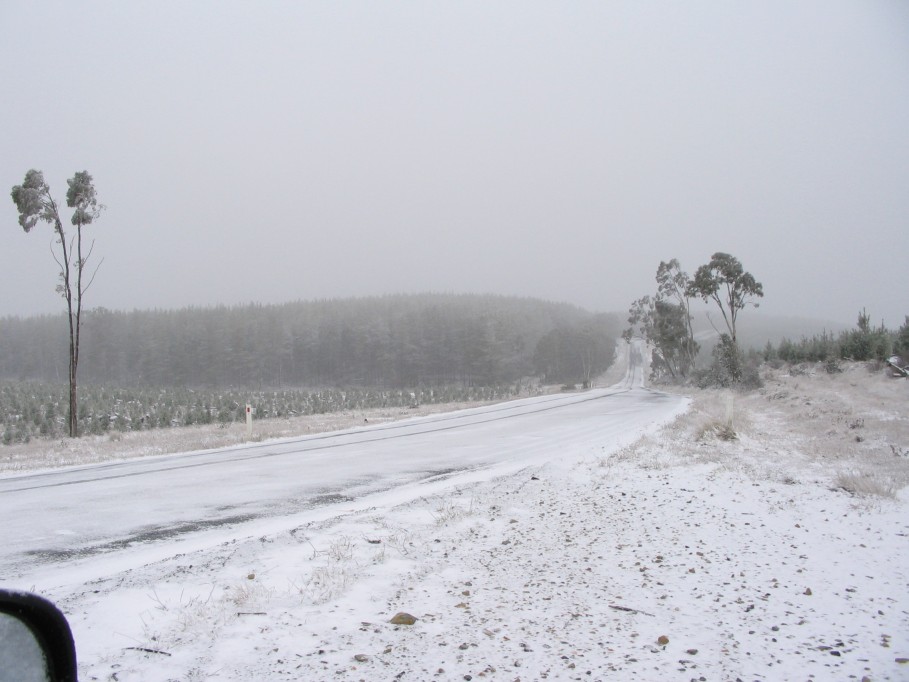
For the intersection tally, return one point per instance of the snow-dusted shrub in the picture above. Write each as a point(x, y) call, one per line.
point(717, 429)
point(833, 366)
point(730, 368)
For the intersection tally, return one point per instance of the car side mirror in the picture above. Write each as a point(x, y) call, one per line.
point(36, 643)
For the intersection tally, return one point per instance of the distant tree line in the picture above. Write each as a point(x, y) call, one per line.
point(382, 342)
point(864, 342)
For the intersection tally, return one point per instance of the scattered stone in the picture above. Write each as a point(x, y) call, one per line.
point(251, 576)
point(901, 660)
point(691, 652)
point(402, 618)
point(662, 640)
point(807, 592)
point(361, 658)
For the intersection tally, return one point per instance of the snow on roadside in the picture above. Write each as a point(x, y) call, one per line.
point(684, 556)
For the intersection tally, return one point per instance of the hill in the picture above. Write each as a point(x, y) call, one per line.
point(388, 341)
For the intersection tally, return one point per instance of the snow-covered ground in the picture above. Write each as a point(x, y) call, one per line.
point(779, 555)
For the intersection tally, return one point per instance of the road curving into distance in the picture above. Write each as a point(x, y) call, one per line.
point(72, 515)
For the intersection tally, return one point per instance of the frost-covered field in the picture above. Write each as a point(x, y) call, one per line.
point(782, 554)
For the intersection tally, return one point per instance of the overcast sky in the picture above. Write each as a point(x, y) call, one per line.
point(275, 151)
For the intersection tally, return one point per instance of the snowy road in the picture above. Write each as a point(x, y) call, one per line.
point(59, 518)
point(544, 550)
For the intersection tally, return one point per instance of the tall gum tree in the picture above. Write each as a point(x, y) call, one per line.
point(674, 285)
point(34, 202)
point(664, 320)
point(724, 281)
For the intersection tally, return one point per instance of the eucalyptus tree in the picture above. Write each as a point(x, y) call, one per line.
point(34, 202)
point(664, 324)
point(664, 320)
point(674, 285)
point(724, 281)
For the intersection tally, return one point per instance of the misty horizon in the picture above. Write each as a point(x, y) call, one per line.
point(274, 153)
point(703, 315)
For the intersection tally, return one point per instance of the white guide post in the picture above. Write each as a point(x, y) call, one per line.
point(248, 420)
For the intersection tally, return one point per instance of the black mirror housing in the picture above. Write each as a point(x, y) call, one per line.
point(50, 629)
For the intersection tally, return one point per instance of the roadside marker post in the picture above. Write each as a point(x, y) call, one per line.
point(248, 420)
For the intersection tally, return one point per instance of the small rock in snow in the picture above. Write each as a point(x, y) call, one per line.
point(402, 618)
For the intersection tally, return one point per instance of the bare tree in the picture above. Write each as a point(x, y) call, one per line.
point(34, 202)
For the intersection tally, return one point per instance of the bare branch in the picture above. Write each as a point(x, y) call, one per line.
point(54, 254)
point(89, 254)
point(92, 279)
point(628, 609)
point(718, 332)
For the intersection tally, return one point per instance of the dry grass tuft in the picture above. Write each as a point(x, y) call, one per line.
point(864, 484)
point(717, 430)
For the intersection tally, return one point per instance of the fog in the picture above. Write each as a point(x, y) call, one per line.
point(294, 150)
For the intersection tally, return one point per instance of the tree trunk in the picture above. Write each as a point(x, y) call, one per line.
point(73, 338)
point(73, 361)
point(73, 405)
